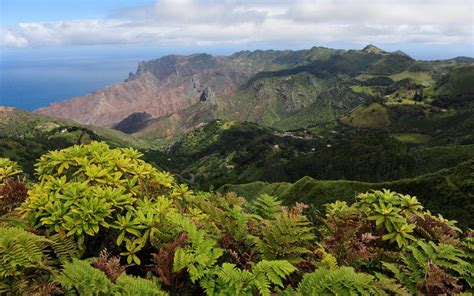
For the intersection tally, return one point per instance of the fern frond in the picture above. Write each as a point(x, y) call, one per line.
point(81, 277)
point(286, 237)
point(20, 250)
point(203, 253)
point(266, 206)
point(65, 249)
point(131, 286)
point(340, 281)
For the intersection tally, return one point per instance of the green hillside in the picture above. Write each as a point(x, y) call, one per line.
point(233, 152)
point(102, 221)
point(301, 89)
point(442, 191)
point(25, 136)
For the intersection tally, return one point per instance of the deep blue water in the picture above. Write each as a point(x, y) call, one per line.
point(33, 78)
point(29, 83)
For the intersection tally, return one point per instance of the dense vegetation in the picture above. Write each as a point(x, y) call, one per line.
point(302, 205)
point(101, 221)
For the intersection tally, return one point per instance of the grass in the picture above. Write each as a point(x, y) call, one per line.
point(441, 191)
point(423, 78)
point(404, 101)
point(374, 115)
point(412, 138)
point(364, 89)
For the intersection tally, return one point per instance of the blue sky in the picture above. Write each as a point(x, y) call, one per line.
point(427, 29)
point(17, 11)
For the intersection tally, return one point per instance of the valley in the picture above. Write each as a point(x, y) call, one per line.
point(366, 117)
point(254, 148)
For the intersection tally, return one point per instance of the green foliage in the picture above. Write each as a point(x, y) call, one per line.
point(28, 261)
point(197, 242)
point(203, 253)
point(229, 280)
point(131, 286)
point(23, 259)
point(85, 190)
point(287, 236)
point(266, 205)
point(79, 277)
point(432, 268)
point(82, 278)
point(343, 281)
point(391, 211)
point(200, 260)
point(8, 169)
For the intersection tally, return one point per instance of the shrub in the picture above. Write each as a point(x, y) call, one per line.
point(345, 281)
point(13, 189)
point(86, 190)
point(28, 261)
point(8, 169)
point(80, 277)
point(198, 242)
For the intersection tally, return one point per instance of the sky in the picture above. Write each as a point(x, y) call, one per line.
point(52, 50)
point(440, 28)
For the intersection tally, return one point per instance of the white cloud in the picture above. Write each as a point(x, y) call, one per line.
point(212, 22)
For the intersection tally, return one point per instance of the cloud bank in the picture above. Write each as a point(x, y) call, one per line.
point(209, 23)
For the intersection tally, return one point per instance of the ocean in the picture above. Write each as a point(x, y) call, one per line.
point(32, 83)
point(33, 78)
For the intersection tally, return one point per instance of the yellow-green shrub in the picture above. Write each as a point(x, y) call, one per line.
point(8, 169)
point(85, 189)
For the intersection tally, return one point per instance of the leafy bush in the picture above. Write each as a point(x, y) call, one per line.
point(86, 190)
point(345, 281)
point(140, 232)
point(80, 277)
point(28, 261)
point(13, 189)
point(8, 169)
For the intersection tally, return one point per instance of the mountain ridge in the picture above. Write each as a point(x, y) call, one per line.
point(284, 89)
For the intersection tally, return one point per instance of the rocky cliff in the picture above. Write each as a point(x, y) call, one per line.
point(284, 89)
point(159, 87)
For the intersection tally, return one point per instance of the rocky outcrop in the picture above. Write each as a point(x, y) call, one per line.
point(206, 95)
point(159, 87)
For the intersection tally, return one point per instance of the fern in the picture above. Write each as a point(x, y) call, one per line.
point(64, 248)
point(266, 206)
point(269, 273)
point(229, 280)
point(428, 266)
point(24, 259)
point(203, 253)
point(342, 281)
point(81, 277)
point(131, 286)
point(286, 237)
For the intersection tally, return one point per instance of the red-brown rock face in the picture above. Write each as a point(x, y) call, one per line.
point(159, 88)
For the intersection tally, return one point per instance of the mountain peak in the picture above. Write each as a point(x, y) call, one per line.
point(401, 53)
point(373, 49)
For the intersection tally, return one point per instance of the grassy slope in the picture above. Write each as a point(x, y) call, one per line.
point(423, 78)
point(374, 115)
point(449, 191)
point(245, 152)
point(25, 136)
point(458, 82)
point(412, 138)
